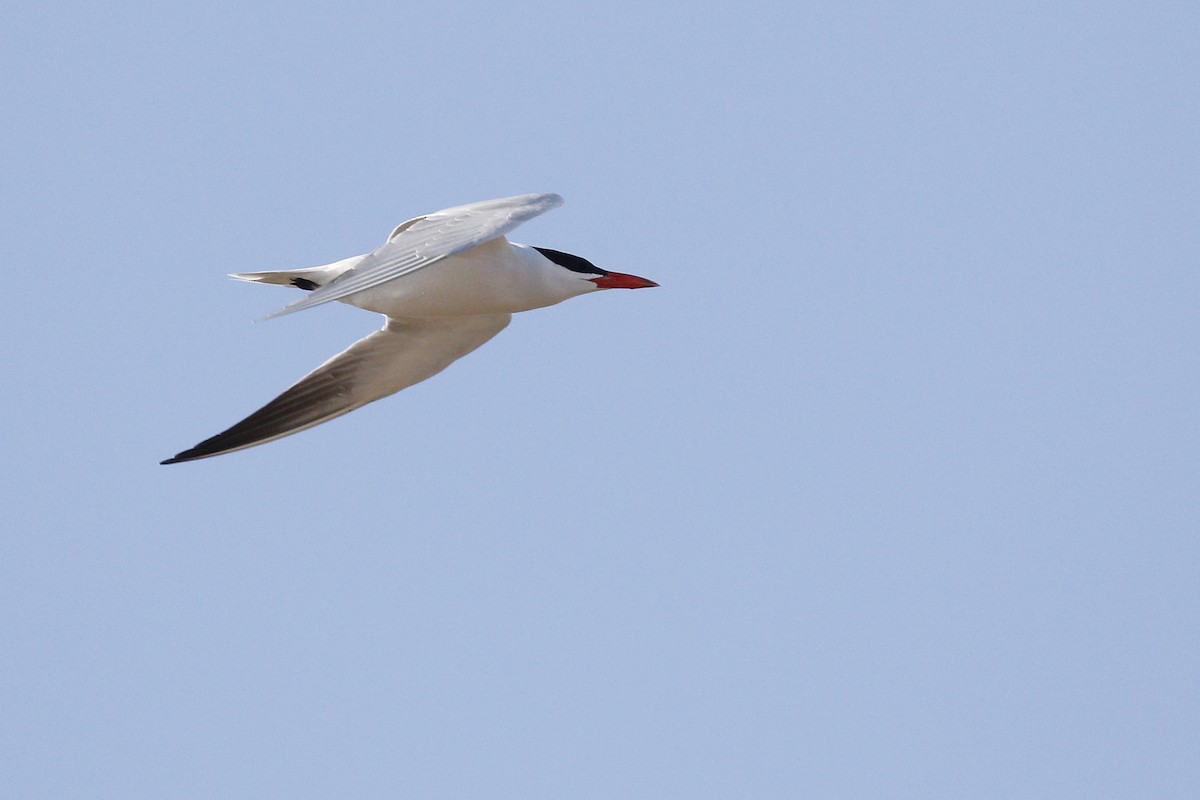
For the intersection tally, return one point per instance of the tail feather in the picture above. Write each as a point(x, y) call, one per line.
point(307, 279)
point(300, 278)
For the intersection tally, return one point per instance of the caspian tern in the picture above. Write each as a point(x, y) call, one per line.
point(446, 282)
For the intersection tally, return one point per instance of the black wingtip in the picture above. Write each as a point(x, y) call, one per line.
point(186, 455)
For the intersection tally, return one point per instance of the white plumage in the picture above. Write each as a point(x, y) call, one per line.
point(447, 282)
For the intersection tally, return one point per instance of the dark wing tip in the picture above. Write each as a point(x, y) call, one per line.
point(187, 455)
point(244, 434)
point(319, 396)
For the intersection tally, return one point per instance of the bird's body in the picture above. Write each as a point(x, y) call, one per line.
point(447, 282)
point(497, 277)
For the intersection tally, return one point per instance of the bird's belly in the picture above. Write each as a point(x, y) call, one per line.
point(454, 286)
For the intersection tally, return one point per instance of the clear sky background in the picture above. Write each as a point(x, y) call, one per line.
point(891, 490)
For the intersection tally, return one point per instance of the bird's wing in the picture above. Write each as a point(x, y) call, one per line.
point(403, 352)
point(426, 240)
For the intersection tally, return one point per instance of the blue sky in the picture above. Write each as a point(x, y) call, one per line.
point(889, 491)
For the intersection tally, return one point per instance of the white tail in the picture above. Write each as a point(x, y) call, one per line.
point(308, 279)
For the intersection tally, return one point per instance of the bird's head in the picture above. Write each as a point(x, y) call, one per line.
point(587, 271)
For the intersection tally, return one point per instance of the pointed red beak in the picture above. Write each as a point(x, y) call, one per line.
point(619, 280)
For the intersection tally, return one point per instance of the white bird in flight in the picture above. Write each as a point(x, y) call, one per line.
point(446, 282)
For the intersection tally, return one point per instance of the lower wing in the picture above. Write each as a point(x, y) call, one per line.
point(403, 352)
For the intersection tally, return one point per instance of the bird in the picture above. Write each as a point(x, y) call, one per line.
point(445, 282)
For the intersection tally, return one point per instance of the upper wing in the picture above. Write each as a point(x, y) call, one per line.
point(403, 352)
point(426, 240)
